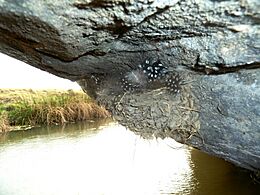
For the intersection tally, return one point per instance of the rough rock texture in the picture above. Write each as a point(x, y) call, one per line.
point(212, 45)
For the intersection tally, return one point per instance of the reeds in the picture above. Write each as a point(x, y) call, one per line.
point(27, 107)
point(4, 123)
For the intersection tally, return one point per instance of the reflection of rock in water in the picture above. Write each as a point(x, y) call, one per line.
point(161, 106)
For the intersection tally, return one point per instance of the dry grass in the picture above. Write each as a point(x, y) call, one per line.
point(28, 107)
point(4, 123)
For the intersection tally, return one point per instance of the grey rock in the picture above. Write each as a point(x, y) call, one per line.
point(213, 45)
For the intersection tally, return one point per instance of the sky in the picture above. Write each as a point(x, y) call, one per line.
point(17, 74)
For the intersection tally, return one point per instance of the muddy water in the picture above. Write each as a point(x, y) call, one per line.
point(96, 158)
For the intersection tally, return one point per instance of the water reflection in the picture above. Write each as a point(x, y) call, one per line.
point(93, 158)
point(216, 176)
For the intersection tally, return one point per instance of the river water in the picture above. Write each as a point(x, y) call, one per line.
point(97, 158)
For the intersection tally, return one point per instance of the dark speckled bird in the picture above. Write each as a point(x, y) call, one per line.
point(154, 70)
point(173, 82)
point(151, 75)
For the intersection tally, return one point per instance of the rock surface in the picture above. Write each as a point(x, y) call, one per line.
point(213, 46)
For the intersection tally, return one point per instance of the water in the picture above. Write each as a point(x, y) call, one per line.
point(96, 159)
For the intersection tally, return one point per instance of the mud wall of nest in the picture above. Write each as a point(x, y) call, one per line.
point(158, 112)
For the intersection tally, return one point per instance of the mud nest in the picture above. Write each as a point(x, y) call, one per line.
point(156, 113)
point(151, 99)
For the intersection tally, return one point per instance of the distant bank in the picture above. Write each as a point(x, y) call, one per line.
point(27, 107)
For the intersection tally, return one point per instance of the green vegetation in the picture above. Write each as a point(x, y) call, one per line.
point(28, 107)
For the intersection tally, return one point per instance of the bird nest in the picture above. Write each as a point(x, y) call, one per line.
point(150, 99)
point(156, 113)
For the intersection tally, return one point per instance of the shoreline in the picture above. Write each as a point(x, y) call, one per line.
point(25, 108)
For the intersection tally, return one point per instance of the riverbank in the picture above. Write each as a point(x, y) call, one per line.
point(27, 107)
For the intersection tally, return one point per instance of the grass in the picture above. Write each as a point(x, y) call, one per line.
point(20, 107)
point(4, 124)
